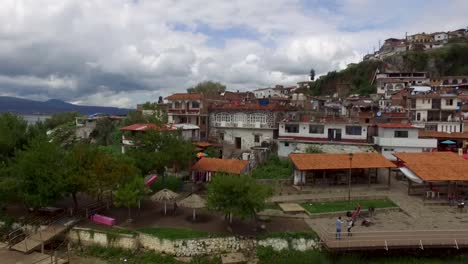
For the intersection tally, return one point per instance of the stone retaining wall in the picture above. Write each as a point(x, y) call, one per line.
point(185, 247)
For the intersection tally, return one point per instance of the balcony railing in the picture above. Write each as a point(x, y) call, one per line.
point(184, 111)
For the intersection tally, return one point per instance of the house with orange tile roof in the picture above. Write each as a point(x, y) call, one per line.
point(434, 174)
point(392, 138)
point(206, 168)
point(326, 169)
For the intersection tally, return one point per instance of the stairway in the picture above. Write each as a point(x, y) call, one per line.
point(35, 240)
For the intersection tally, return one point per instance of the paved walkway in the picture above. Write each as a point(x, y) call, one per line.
point(414, 216)
point(15, 257)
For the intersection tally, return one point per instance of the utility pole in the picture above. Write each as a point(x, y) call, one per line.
point(349, 176)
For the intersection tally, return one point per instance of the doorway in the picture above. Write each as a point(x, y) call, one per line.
point(334, 134)
point(238, 141)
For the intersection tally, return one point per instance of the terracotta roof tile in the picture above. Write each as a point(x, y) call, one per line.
point(232, 166)
point(396, 125)
point(442, 135)
point(436, 166)
point(145, 127)
point(185, 96)
point(339, 161)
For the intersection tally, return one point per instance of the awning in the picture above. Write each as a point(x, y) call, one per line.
point(410, 175)
point(448, 142)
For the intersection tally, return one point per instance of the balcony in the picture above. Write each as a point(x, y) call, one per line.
point(179, 111)
point(241, 125)
point(406, 142)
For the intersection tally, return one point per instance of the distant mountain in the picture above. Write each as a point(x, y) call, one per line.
point(24, 106)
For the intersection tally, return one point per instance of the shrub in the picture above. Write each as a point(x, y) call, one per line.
point(274, 168)
point(170, 182)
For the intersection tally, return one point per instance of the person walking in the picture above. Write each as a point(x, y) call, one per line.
point(338, 228)
point(350, 225)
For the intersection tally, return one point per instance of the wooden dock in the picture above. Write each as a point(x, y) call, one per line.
point(388, 240)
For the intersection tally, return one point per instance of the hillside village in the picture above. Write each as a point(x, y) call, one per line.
point(213, 175)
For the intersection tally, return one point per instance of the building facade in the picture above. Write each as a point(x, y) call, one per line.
point(244, 126)
point(436, 112)
point(394, 138)
point(298, 136)
point(189, 108)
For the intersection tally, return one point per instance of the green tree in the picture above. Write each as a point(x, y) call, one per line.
point(60, 119)
point(104, 131)
point(40, 173)
point(312, 74)
point(313, 149)
point(237, 195)
point(79, 163)
point(13, 135)
point(208, 88)
point(129, 194)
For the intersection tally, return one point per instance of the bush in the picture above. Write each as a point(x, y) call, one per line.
point(170, 182)
point(274, 168)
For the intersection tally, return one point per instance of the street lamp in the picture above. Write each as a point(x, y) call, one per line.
point(349, 175)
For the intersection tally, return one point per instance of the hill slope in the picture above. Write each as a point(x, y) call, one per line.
point(24, 106)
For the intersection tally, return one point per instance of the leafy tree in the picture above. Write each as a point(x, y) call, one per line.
point(237, 195)
point(13, 135)
point(312, 74)
point(104, 132)
point(129, 194)
point(208, 88)
point(40, 173)
point(79, 162)
point(212, 152)
point(60, 119)
point(313, 149)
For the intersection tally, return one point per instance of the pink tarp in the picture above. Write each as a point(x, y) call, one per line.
point(103, 220)
point(151, 180)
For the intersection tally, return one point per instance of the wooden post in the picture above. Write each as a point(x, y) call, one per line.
point(368, 175)
point(68, 251)
point(389, 176)
point(410, 182)
point(42, 247)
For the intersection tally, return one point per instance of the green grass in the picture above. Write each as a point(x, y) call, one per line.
point(274, 168)
point(175, 233)
point(337, 206)
point(267, 255)
point(117, 255)
point(114, 231)
point(170, 182)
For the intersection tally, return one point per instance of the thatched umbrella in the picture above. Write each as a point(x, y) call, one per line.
point(194, 202)
point(164, 195)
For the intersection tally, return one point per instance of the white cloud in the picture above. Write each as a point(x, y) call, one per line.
point(121, 53)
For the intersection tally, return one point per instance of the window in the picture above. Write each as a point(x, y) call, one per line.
point(291, 128)
point(239, 117)
point(286, 144)
point(223, 117)
point(418, 116)
point(221, 136)
point(388, 149)
point(316, 129)
point(195, 104)
point(177, 105)
point(257, 118)
point(448, 101)
point(354, 130)
point(257, 138)
point(401, 134)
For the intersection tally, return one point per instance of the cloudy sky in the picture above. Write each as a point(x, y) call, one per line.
point(122, 52)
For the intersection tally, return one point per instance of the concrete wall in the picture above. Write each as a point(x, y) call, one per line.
point(284, 151)
point(304, 131)
point(185, 247)
point(247, 136)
